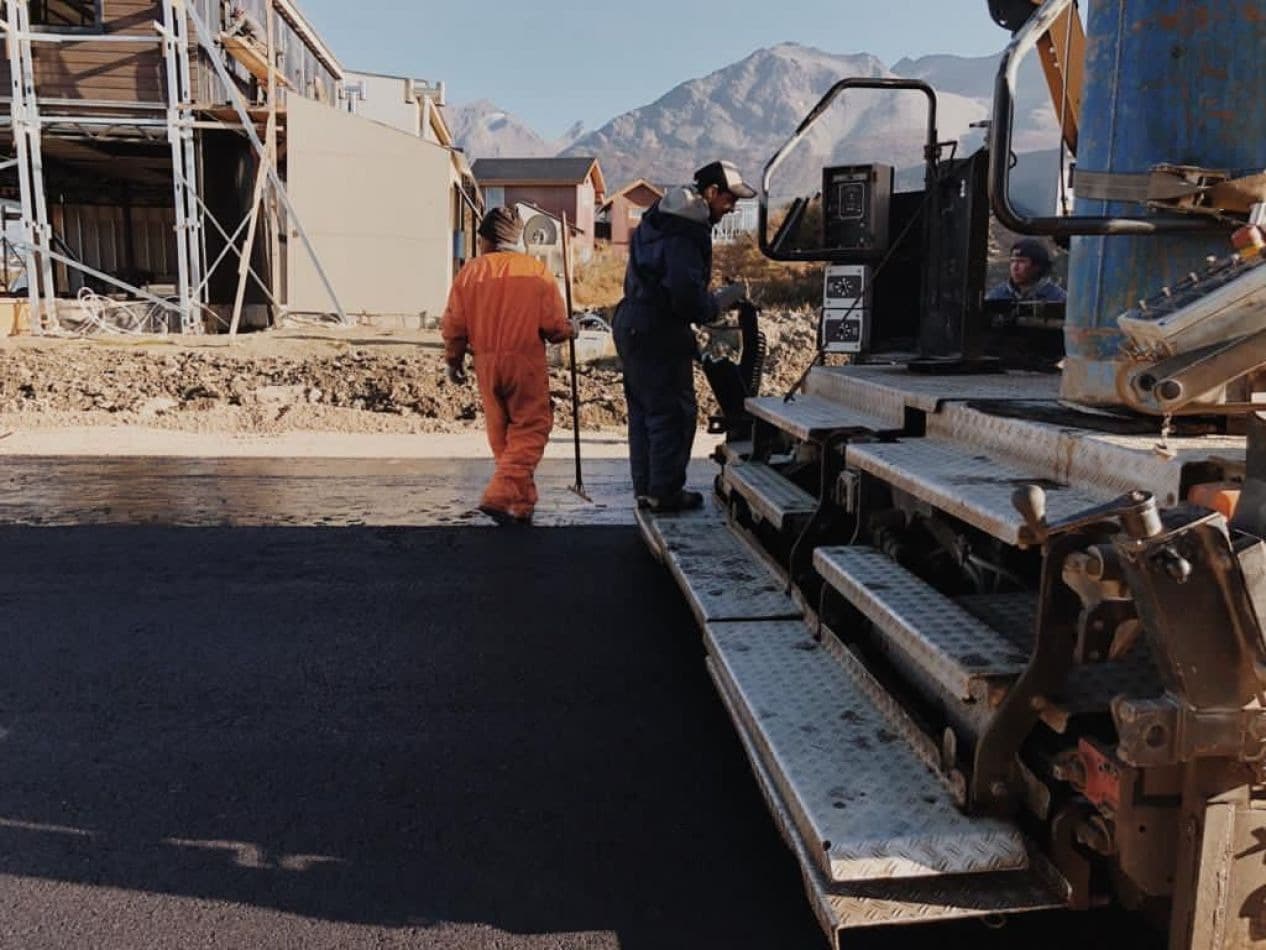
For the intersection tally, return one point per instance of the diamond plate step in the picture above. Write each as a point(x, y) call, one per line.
point(853, 907)
point(858, 795)
point(960, 652)
point(812, 418)
point(720, 576)
point(771, 497)
point(966, 484)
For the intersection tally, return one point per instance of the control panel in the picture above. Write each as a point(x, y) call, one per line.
point(856, 202)
point(846, 309)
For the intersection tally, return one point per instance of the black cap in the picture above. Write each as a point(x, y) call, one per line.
point(725, 175)
point(1033, 249)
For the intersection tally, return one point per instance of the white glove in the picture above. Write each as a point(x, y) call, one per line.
point(457, 374)
point(729, 296)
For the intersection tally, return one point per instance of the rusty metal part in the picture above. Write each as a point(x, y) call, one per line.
point(995, 784)
point(1102, 785)
point(1098, 834)
point(1107, 608)
point(1196, 607)
point(1069, 855)
point(1165, 731)
point(1142, 834)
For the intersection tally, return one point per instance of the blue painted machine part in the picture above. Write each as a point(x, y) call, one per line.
point(1175, 81)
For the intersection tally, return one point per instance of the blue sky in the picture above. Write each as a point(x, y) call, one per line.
point(552, 63)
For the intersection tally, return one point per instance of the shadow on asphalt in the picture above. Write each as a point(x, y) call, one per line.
point(390, 727)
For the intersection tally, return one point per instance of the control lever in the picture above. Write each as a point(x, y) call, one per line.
point(1137, 512)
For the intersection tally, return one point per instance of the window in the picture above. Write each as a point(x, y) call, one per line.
point(66, 14)
point(494, 197)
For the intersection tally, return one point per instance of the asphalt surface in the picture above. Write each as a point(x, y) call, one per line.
point(375, 737)
point(369, 737)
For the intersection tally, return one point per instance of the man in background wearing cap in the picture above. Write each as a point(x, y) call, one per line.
point(503, 306)
point(665, 292)
point(1030, 276)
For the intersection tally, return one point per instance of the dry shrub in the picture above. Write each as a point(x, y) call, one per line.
point(772, 284)
point(599, 284)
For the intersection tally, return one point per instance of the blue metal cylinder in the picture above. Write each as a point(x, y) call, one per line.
point(1175, 81)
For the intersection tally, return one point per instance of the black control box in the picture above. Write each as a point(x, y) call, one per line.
point(856, 202)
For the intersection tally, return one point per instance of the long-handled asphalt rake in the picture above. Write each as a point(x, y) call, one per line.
point(579, 487)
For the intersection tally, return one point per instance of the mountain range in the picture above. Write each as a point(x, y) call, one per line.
point(483, 130)
point(747, 110)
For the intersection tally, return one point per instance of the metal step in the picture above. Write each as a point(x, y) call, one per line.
point(720, 577)
point(812, 418)
point(963, 654)
point(771, 497)
point(966, 484)
point(860, 797)
point(851, 908)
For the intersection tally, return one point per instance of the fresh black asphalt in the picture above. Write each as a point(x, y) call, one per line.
point(371, 737)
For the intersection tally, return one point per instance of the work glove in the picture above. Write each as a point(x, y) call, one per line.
point(457, 374)
point(729, 296)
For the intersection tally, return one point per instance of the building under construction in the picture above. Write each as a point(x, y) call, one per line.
point(169, 168)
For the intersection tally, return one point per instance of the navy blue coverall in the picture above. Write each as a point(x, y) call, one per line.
point(665, 292)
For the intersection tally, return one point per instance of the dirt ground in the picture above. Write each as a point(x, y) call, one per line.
point(356, 380)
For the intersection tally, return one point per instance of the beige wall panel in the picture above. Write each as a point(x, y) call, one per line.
point(384, 102)
point(375, 204)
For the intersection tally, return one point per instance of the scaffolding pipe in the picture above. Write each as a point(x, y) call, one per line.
point(248, 128)
point(106, 278)
point(191, 159)
point(25, 117)
point(18, 120)
point(183, 271)
point(232, 242)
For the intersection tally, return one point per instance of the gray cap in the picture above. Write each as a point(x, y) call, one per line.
point(726, 176)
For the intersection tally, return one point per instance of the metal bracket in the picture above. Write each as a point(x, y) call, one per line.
point(1158, 732)
point(848, 488)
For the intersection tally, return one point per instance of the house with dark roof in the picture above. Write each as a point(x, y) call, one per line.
point(622, 211)
point(571, 186)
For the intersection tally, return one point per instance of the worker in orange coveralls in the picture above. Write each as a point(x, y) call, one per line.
point(503, 306)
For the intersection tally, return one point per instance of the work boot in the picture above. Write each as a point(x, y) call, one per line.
point(681, 500)
point(505, 519)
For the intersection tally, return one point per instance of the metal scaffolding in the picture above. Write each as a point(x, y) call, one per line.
point(181, 123)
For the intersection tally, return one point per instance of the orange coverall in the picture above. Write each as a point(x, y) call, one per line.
point(503, 306)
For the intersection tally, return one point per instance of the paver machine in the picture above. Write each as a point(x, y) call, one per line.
point(991, 636)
